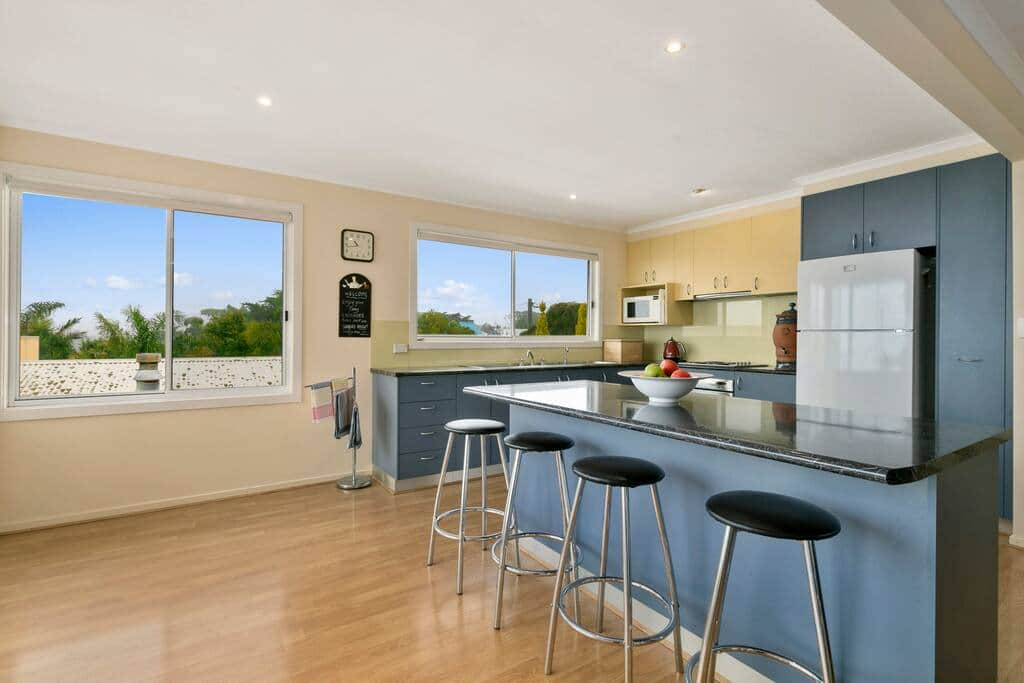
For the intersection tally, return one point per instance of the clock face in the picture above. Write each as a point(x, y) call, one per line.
point(356, 245)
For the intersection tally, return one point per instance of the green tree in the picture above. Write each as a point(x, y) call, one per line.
point(56, 342)
point(541, 329)
point(581, 320)
point(436, 322)
point(138, 335)
point(562, 318)
point(224, 333)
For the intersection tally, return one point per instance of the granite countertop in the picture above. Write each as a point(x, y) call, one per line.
point(496, 367)
point(890, 450)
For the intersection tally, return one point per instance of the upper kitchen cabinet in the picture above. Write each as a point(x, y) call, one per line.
point(684, 264)
point(638, 262)
point(833, 223)
point(651, 260)
point(901, 212)
point(722, 258)
point(775, 250)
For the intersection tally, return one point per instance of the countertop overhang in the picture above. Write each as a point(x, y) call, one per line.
point(885, 449)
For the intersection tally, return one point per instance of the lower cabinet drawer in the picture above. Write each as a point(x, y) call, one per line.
point(426, 388)
point(425, 438)
point(425, 413)
point(419, 464)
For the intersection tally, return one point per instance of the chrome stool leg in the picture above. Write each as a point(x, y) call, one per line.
point(505, 464)
point(563, 494)
point(670, 575)
point(559, 574)
point(483, 491)
point(506, 523)
point(462, 515)
point(706, 668)
point(627, 589)
point(820, 627)
point(603, 569)
point(437, 496)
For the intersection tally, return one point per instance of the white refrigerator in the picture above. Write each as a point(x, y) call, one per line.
point(859, 344)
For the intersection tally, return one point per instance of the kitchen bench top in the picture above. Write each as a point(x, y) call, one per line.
point(890, 450)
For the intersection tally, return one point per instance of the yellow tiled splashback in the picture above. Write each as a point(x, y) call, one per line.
point(725, 329)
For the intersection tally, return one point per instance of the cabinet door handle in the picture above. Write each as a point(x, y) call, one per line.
point(427, 433)
point(961, 359)
point(645, 276)
point(427, 384)
point(739, 383)
point(688, 290)
point(871, 238)
point(654, 276)
point(854, 241)
point(725, 282)
point(428, 407)
point(428, 457)
point(716, 282)
point(757, 282)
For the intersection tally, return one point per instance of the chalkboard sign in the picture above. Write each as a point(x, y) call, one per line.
point(354, 306)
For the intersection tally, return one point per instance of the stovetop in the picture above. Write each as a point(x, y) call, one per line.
point(724, 363)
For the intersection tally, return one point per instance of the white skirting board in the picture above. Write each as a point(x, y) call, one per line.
point(163, 504)
point(648, 619)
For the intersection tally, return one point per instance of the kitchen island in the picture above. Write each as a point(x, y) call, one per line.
point(909, 585)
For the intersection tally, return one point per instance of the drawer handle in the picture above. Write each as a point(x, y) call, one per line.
point(961, 359)
point(427, 433)
point(427, 384)
point(428, 407)
point(428, 457)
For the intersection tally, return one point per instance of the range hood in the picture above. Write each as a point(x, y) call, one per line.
point(722, 295)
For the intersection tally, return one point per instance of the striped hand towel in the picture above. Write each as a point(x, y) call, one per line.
point(322, 397)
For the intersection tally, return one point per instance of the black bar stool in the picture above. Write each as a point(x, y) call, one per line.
point(775, 516)
point(520, 443)
point(468, 428)
point(624, 474)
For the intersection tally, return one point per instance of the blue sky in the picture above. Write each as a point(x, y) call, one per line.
point(100, 257)
point(475, 281)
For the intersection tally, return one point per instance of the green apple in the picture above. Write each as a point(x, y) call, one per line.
point(653, 370)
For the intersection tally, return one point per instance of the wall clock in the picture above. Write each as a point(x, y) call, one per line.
point(356, 245)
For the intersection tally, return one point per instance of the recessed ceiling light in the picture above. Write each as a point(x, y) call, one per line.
point(572, 196)
point(673, 46)
point(264, 101)
point(698, 191)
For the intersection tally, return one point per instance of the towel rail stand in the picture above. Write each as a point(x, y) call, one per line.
point(353, 481)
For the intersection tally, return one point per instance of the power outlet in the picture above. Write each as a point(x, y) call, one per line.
point(400, 348)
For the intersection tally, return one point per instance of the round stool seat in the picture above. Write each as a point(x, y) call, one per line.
point(612, 470)
point(773, 515)
point(473, 426)
point(539, 442)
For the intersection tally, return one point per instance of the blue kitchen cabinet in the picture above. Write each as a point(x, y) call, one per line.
point(973, 347)
point(901, 212)
point(832, 223)
point(766, 386)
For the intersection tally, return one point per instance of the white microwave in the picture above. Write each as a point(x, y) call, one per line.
point(649, 309)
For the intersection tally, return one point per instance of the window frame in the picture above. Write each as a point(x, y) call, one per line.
point(453, 235)
point(18, 179)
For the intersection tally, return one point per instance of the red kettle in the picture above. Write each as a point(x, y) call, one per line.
point(674, 351)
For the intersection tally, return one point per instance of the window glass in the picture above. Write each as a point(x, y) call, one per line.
point(463, 290)
point(552, 295)
point(228, 303)
point(92, 297)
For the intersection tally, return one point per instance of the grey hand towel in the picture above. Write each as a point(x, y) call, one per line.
point(342, 412)
point(355, 433)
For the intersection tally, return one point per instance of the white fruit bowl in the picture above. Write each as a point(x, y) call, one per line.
point(663, 391)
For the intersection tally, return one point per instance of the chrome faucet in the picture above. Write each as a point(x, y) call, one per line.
point(565, 355)
point(529, 355)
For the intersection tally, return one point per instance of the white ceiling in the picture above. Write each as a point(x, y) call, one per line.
point(511, 105)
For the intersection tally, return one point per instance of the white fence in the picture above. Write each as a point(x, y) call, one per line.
point(42, 378)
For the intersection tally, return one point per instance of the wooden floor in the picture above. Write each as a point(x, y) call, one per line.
point(306, 584)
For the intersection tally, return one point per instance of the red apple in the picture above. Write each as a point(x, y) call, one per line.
point(681, 374)
point(668, 367)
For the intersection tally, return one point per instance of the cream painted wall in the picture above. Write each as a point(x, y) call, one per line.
point(54, 471)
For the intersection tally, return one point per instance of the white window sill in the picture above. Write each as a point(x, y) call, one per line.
point(504, 343)
point(43, 409)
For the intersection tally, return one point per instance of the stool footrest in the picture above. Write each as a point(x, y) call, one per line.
point(478, 537)
point(523, 571)
point(758, 651)
point(660, 635)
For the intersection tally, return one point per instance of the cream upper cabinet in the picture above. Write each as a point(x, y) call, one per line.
point(638, 262)
point(775, 240)
point(683, 247)
point(735, 265)
point(663, 258)
point(707, 255)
